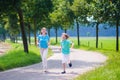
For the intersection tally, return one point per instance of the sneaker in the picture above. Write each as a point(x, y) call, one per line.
point(63, 72)
point(46, 71)
point(70, 64)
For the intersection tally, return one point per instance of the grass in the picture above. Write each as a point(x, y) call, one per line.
point(111, 69)
point(85, 42)
point(18, 58)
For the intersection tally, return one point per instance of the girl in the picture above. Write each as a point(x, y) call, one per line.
point(65, 48)
point(43, 42)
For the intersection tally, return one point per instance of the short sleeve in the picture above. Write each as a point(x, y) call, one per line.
point(70, 42)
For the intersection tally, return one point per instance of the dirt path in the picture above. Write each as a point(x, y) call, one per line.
point(4, 47)
point(83, 61)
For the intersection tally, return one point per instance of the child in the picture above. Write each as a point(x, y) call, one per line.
point(65, 48)
point(43, 42)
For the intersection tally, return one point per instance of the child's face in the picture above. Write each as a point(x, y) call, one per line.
point(43, 31)
point(63, 37)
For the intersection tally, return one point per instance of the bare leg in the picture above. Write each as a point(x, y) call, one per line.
point(69, 61)
point(64, 66)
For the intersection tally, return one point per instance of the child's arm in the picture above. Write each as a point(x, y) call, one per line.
point(37, 41)
point(72, 45)
point(60, 47)
point(48, 41)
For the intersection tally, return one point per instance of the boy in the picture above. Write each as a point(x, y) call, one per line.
point(65, 48)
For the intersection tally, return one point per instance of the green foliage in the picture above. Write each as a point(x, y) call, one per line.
point(81, 10)
point(62, 14)
point(59, 13)
point(7, 6)
point(17, 57)
point(12, 25)
point(101, 10)
point(110, 71)
point(115, 10)
point(2, 30)
point(41, 10)
point(105, 43)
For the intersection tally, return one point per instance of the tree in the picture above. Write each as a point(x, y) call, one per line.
point(114, 15)
point(97, 15)
point(41, 10)
point(2, 33)
point(12, 26)
point(100, 10)
point(55, 22)
point(62, 15)
point(55, 17)
point(2, 29)
point(28, 13)
point(67, 20)
point(7, 7)
point(80, 9)
point(22, 29)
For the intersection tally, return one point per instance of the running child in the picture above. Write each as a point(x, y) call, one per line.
point(43, 42)
point(65, 49)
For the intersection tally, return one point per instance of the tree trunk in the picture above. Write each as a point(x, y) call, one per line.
point(29, 38)
point(56, 35)
point(117, 34)
point(65, 30)
point(78, 36)
point(97, 29)
point(24, 38)
point(35, 37)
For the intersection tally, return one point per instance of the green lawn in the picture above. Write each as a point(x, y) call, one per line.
point(105, 43)
point(17, 58)
point(111, 70)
